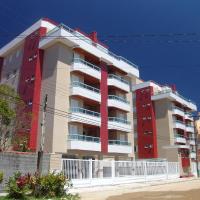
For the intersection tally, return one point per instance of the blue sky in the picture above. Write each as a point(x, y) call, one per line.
point(169, 59)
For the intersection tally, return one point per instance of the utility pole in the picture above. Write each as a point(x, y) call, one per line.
point(42, 136)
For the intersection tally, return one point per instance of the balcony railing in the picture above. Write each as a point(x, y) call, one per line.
point(189, 125)
point(86, 138)
point(176, 93)
point(118, 98)
point(78, 60)
point(176, 107)
point(178, 121)
point(179, 135)
point(84, 111)
point(85, 86)
point(119, 78)
point(119, 142)
point(119, 120)
point(89, 41)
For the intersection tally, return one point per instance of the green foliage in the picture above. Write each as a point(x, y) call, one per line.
point(1, 177)
point(53, 185)
point(50, 185)
point(15, 120)
point(18, 186)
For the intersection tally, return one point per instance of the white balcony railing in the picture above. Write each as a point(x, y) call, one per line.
point(118, 102)
point(178, 111)
point(83, 142)
point(117, 123)
point(193, 155)
point(118, 146)
point(82, 115)
point(179, 124)
point(188, 116)
point(118, 81)
point(189, 128)
point(192, 141)
point(86, 68)
point(84, 90)
point(180, 139)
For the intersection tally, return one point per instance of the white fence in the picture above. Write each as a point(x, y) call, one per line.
point(105, 172)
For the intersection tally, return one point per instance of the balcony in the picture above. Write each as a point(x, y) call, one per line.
point(193, 155)
point(192, 141)
point(183, 146)
point(174, 96)
point(118, 102)
point(120, 124)
point(117, 146)
point(86, 91)
point(189, 128)
point(119, 82)
point(83, 142)
point(180, 139)
point(75, 39)
point(188, 116)
point(86, 68)
point(179, 124)
point(178, 111)
point(85, 116)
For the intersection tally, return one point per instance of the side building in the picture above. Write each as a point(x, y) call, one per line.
point(89, 107)
point(165, 128)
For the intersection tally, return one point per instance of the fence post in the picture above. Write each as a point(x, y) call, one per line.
point(145, 170)
point(90, 170)
point(62, 166)
point(167, 169)
point(113, 168)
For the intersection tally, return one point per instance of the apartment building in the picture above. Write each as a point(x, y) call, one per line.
point(97, 105)
point(164, 124)
point(89, 107)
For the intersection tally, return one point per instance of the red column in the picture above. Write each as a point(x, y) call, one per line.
point(146, 124)
point(30, 90)
point(1, 66)
point(104, 108)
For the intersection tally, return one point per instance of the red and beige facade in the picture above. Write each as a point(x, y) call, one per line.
point(97, 105)
point(165, 128)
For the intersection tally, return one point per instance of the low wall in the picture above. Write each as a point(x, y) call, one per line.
point(11, 162)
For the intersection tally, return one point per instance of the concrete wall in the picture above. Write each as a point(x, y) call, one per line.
point(165, 134)
point(11, 162)
point(56, 83)
point(11, 67)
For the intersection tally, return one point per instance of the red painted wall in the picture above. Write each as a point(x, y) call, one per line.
point(185, 157)
point(104, 108)
point(30, 90)
point(146, 123)
point(185, 162)
point(1, 66)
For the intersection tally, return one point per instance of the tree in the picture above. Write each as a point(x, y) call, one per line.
point(14, 120)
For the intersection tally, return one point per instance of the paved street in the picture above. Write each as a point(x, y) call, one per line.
point(185, 190)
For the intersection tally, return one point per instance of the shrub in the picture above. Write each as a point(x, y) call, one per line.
point(18, 186)
point(1, 177)
point(51, 185)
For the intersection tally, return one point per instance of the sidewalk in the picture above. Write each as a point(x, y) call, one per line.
point(103, 192)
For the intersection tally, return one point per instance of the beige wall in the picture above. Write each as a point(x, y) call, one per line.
point(56, 83)
point(165, 134)
point(197, 126)
point(11, 67)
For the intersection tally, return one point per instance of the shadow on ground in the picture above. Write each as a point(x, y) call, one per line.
point(159, 195)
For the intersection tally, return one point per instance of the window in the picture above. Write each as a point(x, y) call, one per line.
point(10, 58)
point(17, 53)
point(30, 102)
